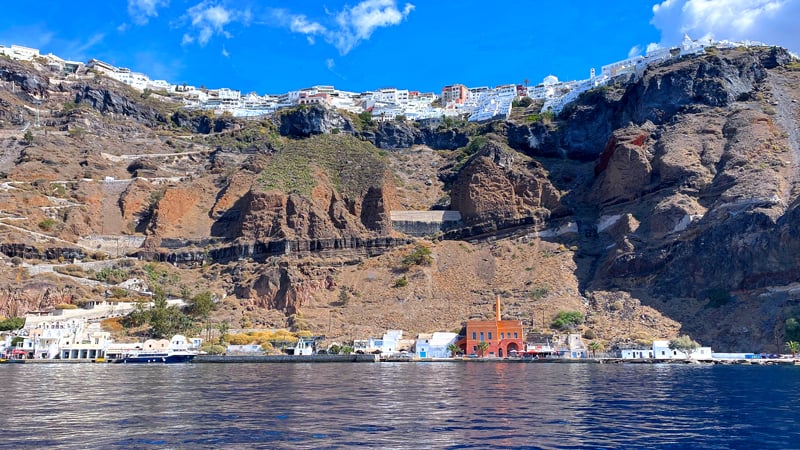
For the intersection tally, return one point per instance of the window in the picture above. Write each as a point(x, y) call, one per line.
point(481, 336)
point(502, 336)
point(473, 336)
point(516, 336)
point(490, 335)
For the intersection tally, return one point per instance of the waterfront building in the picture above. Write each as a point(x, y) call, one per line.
point(434, 345)
point(636, 353)
point(502, 336)
point(569, 346)
point(660, 350)
point(90, 346)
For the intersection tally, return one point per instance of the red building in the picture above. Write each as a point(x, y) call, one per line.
point(502, 336)
point(454, 93)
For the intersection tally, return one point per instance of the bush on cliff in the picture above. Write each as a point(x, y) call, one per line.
point(567, 320)
point(421, 256)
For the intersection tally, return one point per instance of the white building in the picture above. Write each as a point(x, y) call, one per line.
point(661, 350)
point(19, 52)
point(637, 353)
point(434, 345)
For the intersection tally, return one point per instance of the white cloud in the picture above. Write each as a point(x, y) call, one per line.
point(768, 21)
point(359, 22)
point(209, 18)
point(330, 63)
point(635, 50)
point(350, 26)
point(300, 24)
point(142, 10)
point(225, 52)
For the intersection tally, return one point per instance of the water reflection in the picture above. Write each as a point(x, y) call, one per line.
point(401, 405)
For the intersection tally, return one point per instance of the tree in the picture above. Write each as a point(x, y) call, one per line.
point(202, 304)
point(366, 118)
point(684, 344)
point(482, 347)
point(158, 316)
point(223, 327)
point(793, 347)
point(453, 349)
point(594, 346)
point(12, 323)
point(28, 137)
point(344, 297)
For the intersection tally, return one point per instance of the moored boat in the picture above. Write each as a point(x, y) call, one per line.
point(161, 352)
point(168, 357)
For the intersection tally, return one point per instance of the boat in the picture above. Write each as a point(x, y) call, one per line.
point(166, 357)
point(160, 352)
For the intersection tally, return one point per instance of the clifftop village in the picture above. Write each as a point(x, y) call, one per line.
point(77, 335)
point(477, 104)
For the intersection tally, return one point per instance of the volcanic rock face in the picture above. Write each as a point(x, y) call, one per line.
point(493, 187)
point(305, 122)
point(201, 123)
point(107, 101)
point(624, 170)
point(674, 192)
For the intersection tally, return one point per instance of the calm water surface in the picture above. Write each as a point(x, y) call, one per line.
point(398, 405)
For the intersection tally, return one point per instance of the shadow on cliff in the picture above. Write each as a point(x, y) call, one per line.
point(229, 224)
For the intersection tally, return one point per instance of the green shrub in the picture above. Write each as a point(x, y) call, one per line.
point(421, 256)
point(523, 102)
point(538, 293)
point(567, 320)
point(401, 282)
point(12, 323)
point(47, 224)
point(111, 275)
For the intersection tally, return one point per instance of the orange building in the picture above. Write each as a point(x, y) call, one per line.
point(454, 93)
point(503, 336)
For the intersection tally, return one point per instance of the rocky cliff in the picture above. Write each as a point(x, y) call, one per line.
point(664, 202)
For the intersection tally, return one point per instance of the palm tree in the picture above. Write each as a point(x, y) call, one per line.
point(594, 346)
point(793, 347)
point(482, 347)
point(453, 349)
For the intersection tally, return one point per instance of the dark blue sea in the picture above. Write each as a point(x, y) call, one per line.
point(484, 405)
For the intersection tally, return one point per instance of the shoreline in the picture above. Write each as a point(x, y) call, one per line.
point(292, 359)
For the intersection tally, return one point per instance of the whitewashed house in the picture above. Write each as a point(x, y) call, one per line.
point(434, 345)
point(19, 52)
point(636, 353)
point(661, 350)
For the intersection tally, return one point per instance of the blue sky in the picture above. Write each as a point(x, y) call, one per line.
point(276, 46)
